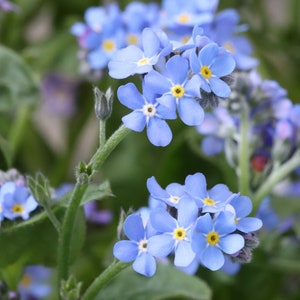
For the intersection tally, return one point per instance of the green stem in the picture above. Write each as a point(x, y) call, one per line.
point(50, 214)
point(276, 176)
point(64, 245)
point(102, 132)
point(244, 155)
point(103, 152)
point(105, 277)
point(68, 222)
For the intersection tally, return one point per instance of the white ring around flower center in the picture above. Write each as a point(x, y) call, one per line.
point(149, 110)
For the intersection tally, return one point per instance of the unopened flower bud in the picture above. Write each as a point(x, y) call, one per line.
point(103, 103)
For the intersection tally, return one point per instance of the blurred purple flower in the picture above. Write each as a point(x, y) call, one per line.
point(94, 215)
point(59, 93)
point(6, 5)
point(34, 283)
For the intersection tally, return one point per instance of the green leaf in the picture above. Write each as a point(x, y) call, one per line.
point(17, 83)
point(93, 192)
point(167, 283)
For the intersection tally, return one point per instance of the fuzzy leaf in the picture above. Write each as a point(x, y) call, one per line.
point(17, 83)
point(167, 283)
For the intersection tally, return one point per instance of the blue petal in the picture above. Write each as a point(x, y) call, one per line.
point(162, 221)
point(145, 264)
point(156, 190)
point(165, 112)
point(225, 223)
point(167, 100)
point(124, 62)
point(150, 42)
point(204, 224)
point(212, 145)
point(208, 53)
point(159, 132)
point(231, 243)
point(242, 206)
point(195, 185)
point(97, 59)
point(194, 63)
point(184, 255)
point(219, 87)
point(187, 213)
point(136, 121)
point(249, 224)
point(192, 87)
point(129, 96)
point(190, 111)
point(30, 204)
point(223, 65)
point(20, 195)
point(199, 242)
point(126, 251)
point(134, 228)
point(161, 245)
point(175, 189)
point(157, 82)
point(220, 192)
point(177, 67)
point(212, 258)
point(78, 28)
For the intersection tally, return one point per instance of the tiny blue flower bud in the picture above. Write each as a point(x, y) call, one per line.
point(103, 103)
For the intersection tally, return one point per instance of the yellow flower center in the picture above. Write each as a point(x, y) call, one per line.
point(108, 45)
point(17, 209)
point(132, 39)
point(177, 91)
point(209, 202)
point(149, 110)
point(143, 61)
point(205, 72)
point(185, 39)
point(229, 47)
point(142, 245)
point(174, 199)
point(179, 234)
point(183, 19)
point(26, 280)
point(212, 238)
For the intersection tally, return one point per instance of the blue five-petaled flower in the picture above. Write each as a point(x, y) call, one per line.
point(211, 64)
point(136, 248)
point(146, 112)
point(212, 237)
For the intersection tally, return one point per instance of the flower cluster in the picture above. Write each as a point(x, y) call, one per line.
point(198, 226)
point(272, 121)
point(107, 29)
point(16, 200)
point(185, 57)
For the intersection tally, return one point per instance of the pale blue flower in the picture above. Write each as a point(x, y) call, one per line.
point(211, 201)
point(147, 112)
point(177, 90)
point(134, 60)
point(214, 237)
point(175, 234)
point(211, 64)
point(16, 201)
point(136, 248)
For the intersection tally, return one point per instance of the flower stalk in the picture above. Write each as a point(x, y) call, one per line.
point(105, 277)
